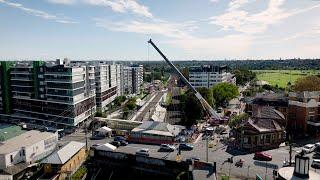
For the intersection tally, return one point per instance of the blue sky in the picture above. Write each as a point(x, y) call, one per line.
point(183, 29)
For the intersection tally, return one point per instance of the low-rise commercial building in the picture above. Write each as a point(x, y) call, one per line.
point(27, 148)
point(208, 75)
point(153, 132)
point(64, 162)
point(264, 130)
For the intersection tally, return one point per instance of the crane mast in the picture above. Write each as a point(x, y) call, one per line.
point(203, 102)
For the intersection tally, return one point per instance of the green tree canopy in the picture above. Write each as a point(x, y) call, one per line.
point(224, 92)
point(308, 83)
point(191, 107)
point(243, 76)
point(206, 94)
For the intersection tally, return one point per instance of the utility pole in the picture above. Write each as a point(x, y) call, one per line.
point(207, 148)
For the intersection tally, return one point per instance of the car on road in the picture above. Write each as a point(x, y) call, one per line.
point(167, 148)
point(185, 146)
point(116, 143)
point(309, 148)
point(315, 163)
point(316, 156)
point(119, 138)
point(143, 152)
point(262, 156)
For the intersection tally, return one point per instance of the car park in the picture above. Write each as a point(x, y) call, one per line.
point(167, 148)
point(185, 146)
point(262, 156)
point(309, 148)
point(143, 152)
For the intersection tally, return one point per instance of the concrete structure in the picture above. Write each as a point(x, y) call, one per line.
point(153, 132)
point(132, 79)
point(27, 147)
point(64, 162)
point(208, 75)
point(107, 84)
point(60, 94)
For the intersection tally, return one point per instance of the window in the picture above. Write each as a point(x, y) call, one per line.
point(23, 152)
point(11, 158)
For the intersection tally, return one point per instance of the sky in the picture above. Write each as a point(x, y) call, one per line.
point(182, 29)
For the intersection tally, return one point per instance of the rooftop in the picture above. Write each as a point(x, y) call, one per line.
point(64, 154)
point(8, 131)
point(160, 128)
point(24, 140)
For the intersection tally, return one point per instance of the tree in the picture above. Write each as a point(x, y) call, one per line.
point(236, 120)
point(206, 94)
point(191, 107)
point(243, 76)
point(224, 92)
point(308, 83)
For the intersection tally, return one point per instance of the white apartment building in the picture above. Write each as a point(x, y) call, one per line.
point(27, 147)
point(132, 79)
point(108, 83)
point(208, 75)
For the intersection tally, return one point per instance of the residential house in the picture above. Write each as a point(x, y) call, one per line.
point(64, 162)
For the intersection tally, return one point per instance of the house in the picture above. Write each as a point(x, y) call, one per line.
point(264, 130)
point(64, 162)
point(153, 132)
point(27, 148)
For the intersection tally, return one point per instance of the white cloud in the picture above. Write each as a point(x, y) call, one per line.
point(159, 27)
point(38, 13)
point(242, 21)
point(123, 6)
point(214, 1)
point(67, 2)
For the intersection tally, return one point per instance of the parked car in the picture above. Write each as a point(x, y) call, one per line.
point(316, 156)
point(239, 163)
point(123, 143)
point(167, 148)
point(262, 156)
point(143, 152)
point(186, 147)
point(317, 144)
point(119, 138)
point(315, 163)
point(317, 149)
point(309, 148)
point(116, 143)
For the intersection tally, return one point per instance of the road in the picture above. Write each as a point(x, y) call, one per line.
point(218, 154)
point(148, 110)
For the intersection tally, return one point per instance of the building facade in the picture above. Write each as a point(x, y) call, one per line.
point(304, 112)
point(27, 148)
point(107, 89)
point(57, 94)
point(208, 75)
point(132, 79)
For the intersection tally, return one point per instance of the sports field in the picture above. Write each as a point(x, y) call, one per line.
point(282, 77)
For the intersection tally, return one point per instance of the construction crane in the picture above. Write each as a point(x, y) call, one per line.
point(206, 106)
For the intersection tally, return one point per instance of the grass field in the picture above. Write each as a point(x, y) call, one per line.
point(282, 77)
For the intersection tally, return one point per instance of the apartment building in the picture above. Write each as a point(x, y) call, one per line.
point(108, 84)
point(132, 79)
point(57, 94)
point(304, 112)
point(209, 75)
point(5, 98)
